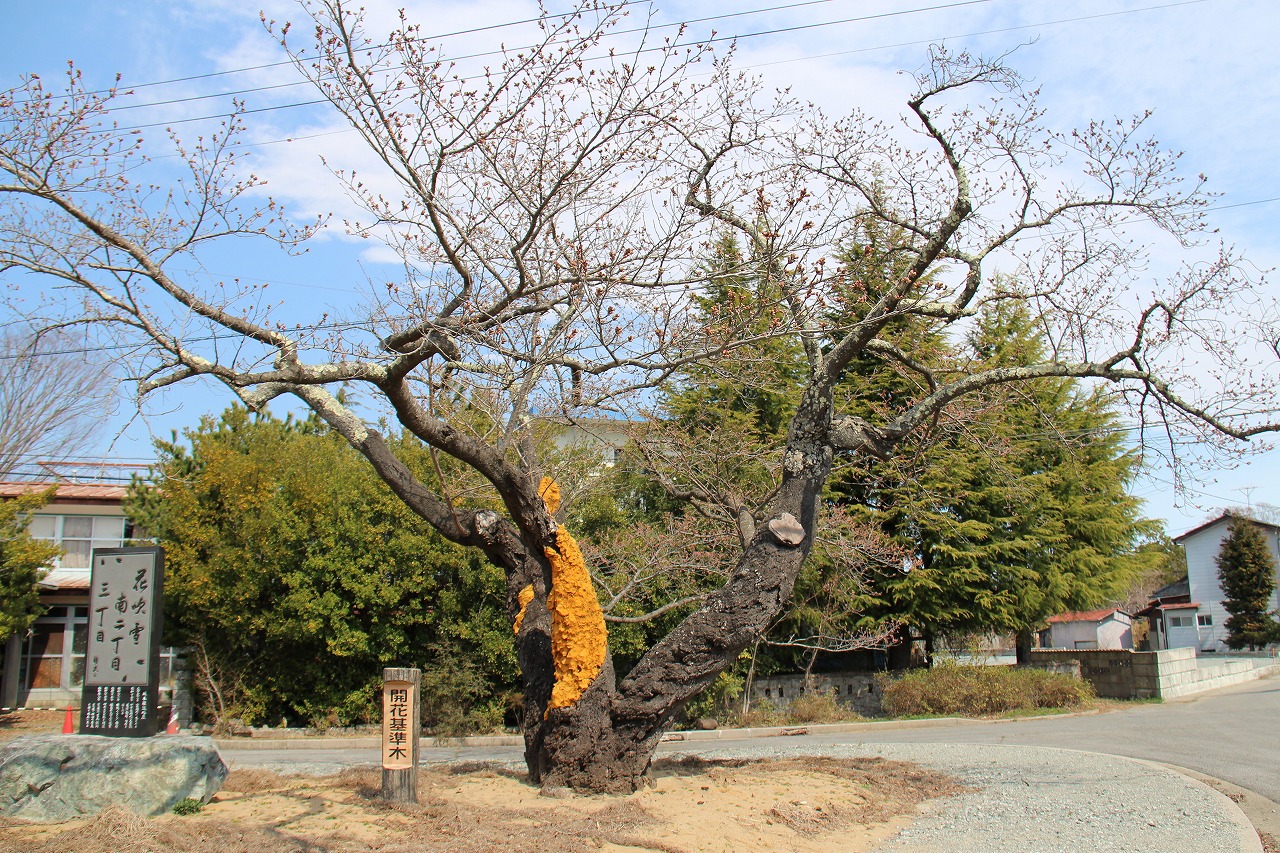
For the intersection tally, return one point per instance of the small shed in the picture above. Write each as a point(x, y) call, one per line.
point(1111, 628)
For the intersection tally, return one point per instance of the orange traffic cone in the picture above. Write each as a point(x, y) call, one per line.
point(69, 722)
point(172, 728)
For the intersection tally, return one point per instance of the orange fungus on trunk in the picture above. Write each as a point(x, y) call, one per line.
point(579, 640)
point(525, 596)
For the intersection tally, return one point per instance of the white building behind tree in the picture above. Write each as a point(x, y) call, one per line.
point(1193, 616)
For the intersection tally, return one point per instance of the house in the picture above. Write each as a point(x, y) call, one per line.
point(45, 667)
point(1111, 628)
point(1171, 618)
point(592, 437)
point(1189, 613)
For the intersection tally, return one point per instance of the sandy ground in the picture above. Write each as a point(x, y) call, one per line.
point(800, 804)
point(34, 722)
point(792, 805)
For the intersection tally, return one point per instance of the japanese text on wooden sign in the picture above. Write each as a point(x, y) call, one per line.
point(397, 725)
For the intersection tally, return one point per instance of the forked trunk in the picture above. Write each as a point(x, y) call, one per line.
point(603, 739)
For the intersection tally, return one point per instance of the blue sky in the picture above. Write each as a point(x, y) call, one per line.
point(1208, 69)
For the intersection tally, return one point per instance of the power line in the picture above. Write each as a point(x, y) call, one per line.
point(979, 33)
point(647, 28)
point(287, 62)
point(645, 50)
point(434, 37)
point(712, 40)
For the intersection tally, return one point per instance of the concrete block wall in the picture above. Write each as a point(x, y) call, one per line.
point(1212, 677)
point(1166, 674)
point(1125, 674)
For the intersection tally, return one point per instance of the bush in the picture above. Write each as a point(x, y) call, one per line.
point(816, 706)
point(762, 714)
point(718, 700)
point(455, 697)
point(954, 689)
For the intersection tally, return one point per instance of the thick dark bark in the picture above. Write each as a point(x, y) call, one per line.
point(605, 742)
point(1022, 646)
point(533, 653)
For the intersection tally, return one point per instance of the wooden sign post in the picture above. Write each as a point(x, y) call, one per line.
point(401, 726)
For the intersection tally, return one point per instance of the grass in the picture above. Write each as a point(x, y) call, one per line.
point(187, 806)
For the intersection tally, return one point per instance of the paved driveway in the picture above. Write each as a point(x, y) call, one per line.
point(1232, 734)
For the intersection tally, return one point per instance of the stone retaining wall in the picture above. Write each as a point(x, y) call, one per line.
point(1167, 674)
point(856, 691)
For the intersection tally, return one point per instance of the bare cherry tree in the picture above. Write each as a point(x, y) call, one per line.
point(52, 398)
point(550, 212)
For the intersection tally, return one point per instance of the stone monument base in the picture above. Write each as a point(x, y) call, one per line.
point(51, 778)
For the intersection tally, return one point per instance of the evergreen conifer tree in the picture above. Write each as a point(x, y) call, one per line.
point(1018, 511)
point(1248, 575)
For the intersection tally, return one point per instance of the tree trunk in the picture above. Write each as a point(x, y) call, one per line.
point(1023, 647)
point(604, 741)
point(900, 652)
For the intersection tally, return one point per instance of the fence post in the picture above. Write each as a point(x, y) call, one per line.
point(401, 727)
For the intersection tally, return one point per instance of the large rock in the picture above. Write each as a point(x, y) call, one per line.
point(59, 777)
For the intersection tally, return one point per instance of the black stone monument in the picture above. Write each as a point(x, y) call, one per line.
point(122, 660)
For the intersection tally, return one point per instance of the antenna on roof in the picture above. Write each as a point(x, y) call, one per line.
point(1248, 496)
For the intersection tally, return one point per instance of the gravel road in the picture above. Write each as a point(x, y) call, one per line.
point(1041, 800)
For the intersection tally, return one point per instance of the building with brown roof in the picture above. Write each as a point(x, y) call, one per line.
point(1109, 628)
point(45, 666)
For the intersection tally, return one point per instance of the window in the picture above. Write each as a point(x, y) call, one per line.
point(79, 535)
point(1179, 621)
point(53, 654)
point(1205, 620)
point(54, 650)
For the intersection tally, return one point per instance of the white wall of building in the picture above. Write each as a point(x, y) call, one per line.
point(1182, 632)
point(1114, 632)
point(1202, 548)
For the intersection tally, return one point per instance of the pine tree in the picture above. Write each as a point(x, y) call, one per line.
point(1248, 575)
point(1018, 512)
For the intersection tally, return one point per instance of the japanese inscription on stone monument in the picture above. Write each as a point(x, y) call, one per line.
point(122, 674)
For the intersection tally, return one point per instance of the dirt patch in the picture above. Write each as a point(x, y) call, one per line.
point(798, 804)
point(34, 722)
